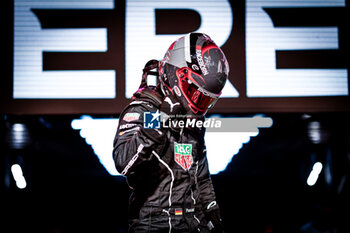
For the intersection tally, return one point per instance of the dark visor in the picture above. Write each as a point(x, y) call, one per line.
point(198, 98)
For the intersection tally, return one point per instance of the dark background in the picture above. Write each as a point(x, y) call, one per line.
point(263, 189)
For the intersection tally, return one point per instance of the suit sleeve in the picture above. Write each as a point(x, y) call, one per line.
point(207, 193)
point(133, 144)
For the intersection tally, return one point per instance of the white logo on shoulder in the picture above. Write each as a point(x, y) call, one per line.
point(168, 100)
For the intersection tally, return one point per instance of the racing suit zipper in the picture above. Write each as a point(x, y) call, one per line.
point(190, 187)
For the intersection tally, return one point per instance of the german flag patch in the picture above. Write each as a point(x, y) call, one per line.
point(178, 211)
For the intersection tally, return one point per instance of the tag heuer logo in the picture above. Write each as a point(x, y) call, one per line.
point(183, 155)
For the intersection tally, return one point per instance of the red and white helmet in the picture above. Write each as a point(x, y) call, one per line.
point(195, 70)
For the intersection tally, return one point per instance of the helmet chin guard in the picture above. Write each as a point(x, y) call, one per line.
point(195, 70)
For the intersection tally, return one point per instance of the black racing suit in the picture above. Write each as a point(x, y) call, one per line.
point(169, 177)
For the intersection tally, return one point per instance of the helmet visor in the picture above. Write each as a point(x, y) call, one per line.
point(198, 99)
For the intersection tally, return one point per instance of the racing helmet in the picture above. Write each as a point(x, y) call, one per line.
point(195, 70)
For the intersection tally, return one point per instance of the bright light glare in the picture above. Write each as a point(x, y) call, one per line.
point(18, 127)
point(221, 146)
point(316, 170)
point(18, 176)
point(99, 133)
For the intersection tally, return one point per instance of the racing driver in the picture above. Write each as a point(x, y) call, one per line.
point(166, 167)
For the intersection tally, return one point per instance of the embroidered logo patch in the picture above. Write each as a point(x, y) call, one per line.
point(131, 116)
point(183, 155)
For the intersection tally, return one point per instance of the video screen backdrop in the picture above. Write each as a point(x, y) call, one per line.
point(86, 56)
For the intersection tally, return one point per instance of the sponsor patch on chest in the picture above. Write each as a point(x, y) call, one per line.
point(183, 155)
